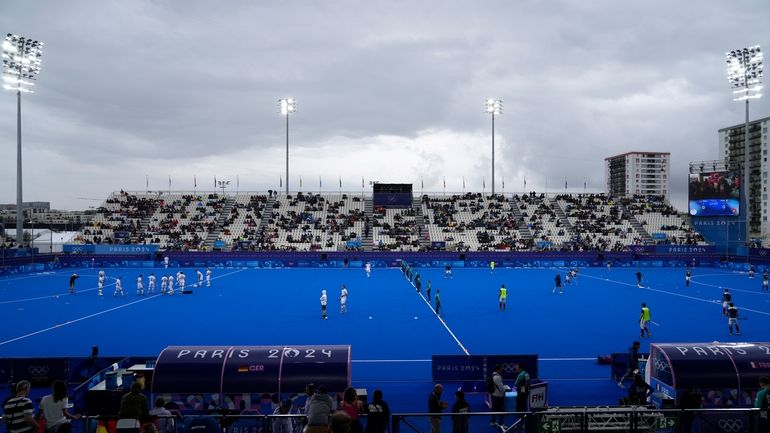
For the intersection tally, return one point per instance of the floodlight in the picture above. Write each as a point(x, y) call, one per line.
point(493, 107)
point(22, 58)
point(287, 106)
point(744, 73)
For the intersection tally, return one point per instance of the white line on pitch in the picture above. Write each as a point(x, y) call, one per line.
point(441, 320)
point(364, 361)
point(675, 294)
point(732, 288)
point(69, 322)
point(91, 289)
point(389, 360)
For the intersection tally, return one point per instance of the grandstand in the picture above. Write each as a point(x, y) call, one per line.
point(336, 222)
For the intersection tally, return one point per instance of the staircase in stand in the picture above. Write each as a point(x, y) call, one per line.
point(267, 215)
point(524, 230)
point(368, 240)
point(422, 229)
point(224, 213)
point(559, 211)
point(638, 227)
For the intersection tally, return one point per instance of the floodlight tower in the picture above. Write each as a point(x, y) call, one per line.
point(744, 72)
point(21, 64)
point(493, 106)
point(287, 106)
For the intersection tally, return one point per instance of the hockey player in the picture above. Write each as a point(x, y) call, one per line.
point(727, 298)
point(100, 284)
point(344, 300)
point(323, 300)
point(73, 277)
point(118, 287)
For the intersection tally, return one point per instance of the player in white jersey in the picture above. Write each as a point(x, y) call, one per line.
point(170, 285)
point(163, 284)
point(208, 277)
point(181, 280)
point(151, 283)
point(344, 300)
point(100, 284)
point(101, 273)
point(200, 278)
point(118, 287)
point(165, 261)
point(368, 269)
point(139, 286)
point(323, 304)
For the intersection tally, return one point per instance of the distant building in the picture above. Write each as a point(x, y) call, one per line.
point(40, 213)
point(35, 206)
point(731, 144)
point(637, 173)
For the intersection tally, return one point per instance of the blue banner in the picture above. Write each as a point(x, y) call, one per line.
point(721, 231)
point(685, 249)
point(39, 371)
point(109, 249)
point(477, 368)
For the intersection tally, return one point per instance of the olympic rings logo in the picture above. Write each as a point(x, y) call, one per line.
point(731, 425)
point(660, 364)
point(290, 352)
point(509, 367)
point(38, 370)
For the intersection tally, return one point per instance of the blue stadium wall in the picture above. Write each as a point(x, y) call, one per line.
point(641, 256)
point(726, 233)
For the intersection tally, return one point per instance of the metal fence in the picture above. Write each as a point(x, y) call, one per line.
point(558, 419)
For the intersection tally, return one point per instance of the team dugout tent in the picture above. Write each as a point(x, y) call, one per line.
point(239, 376)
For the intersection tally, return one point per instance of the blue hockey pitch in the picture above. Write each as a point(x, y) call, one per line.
point(392, 329)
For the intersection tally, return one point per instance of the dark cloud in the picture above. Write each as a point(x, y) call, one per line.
point(165, 88)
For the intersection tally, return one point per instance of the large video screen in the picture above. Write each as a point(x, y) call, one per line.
point(715, 193)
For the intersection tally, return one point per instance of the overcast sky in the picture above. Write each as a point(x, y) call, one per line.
point(386, 90)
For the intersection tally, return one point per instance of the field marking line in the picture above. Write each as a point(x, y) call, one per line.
point(69, 322)
point(56, 295)
point(32, 275)
point(440, 319)
point(90, 289)
point(731, 288)
point(364, 361)
point(709, 301)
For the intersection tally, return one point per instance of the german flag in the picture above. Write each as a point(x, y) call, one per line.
point(243, 369)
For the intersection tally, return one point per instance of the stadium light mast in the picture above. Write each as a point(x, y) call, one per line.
point(744, 72)
point(493, 107)
point(21, 64)
point(287, 106)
